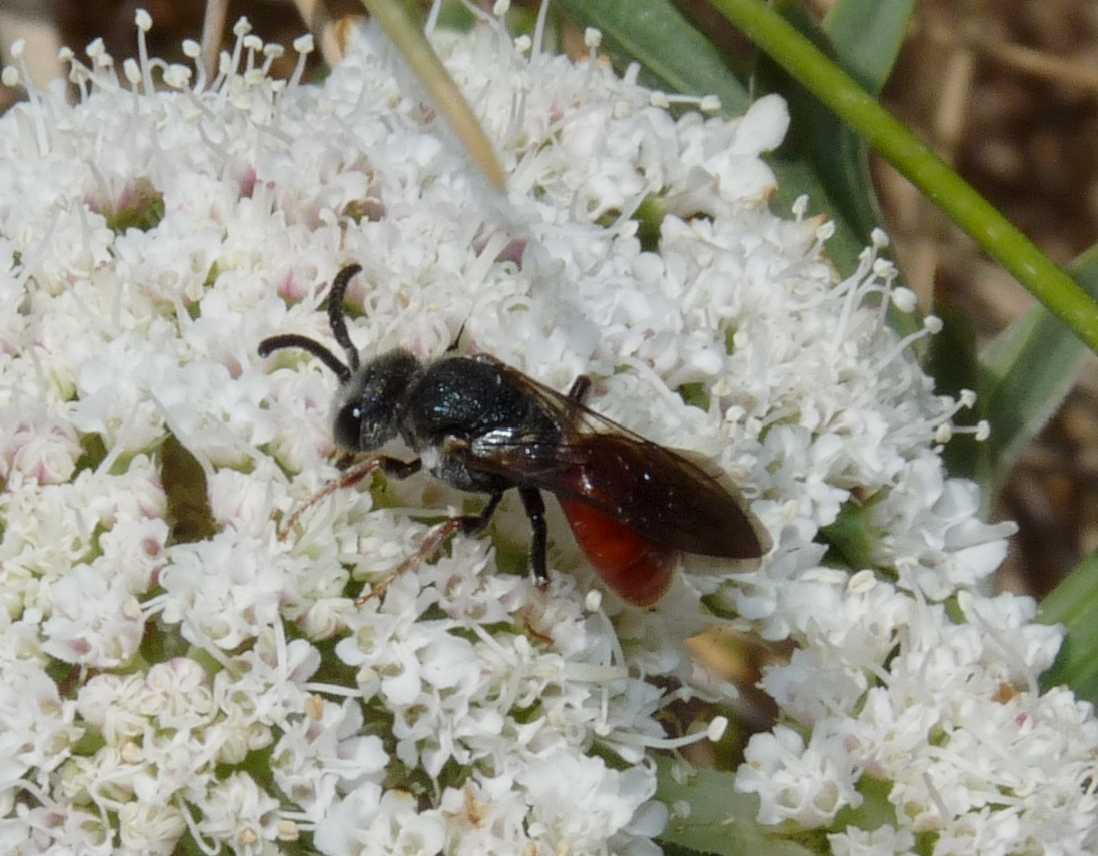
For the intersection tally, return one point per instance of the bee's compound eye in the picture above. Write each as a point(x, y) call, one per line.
point(347, 427)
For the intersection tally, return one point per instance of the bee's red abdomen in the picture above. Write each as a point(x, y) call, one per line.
point(634, 567)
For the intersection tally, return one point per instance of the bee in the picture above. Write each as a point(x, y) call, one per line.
point(481, 426)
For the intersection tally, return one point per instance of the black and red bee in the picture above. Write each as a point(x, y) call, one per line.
point(481, 426)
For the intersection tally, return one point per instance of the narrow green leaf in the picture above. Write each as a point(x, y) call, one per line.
point(867, 36)
point(721, 820)
point(1027, 372)
point(656, 35)
point(1074, 603)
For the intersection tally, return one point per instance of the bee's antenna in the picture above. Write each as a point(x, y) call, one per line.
point(335, 314)
point(292, 340)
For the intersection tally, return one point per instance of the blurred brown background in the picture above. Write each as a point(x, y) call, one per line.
point(1007, 90)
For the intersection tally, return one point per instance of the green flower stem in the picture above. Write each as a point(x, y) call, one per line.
point(812, 69)
point(448, 100)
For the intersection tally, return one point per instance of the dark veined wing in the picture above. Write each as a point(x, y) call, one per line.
point(666, 496)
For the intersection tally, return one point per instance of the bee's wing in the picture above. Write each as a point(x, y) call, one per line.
point(667, 496)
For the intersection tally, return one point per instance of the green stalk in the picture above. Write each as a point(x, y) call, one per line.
point(819, 75)
point(448, 100)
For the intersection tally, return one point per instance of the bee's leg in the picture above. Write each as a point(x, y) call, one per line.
point(473, 523)
point(430, 545)
point(535, 510)
point(467, 524)
point(580, 387)
point(351, 476)
point(399, 469)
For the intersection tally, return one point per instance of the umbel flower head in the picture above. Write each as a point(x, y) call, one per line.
point(162, 681)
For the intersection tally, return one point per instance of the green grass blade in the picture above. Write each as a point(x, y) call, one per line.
point(1026, 374)
point(1074, 603)
point(867, 36)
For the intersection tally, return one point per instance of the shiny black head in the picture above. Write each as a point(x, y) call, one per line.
point(366, 408)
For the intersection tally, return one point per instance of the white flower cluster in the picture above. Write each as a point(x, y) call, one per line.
point(227, 689)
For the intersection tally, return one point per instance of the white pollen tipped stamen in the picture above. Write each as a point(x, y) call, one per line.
point(271, 53)
point(144, 24)
point(904, 299)
point(40, 106)
point(304, 46)
point(132, 72)
point(192, 50)
point(632, 738)
point(931, 324)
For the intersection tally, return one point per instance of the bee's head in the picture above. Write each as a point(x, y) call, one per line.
point(365, 411)
point(366, 408)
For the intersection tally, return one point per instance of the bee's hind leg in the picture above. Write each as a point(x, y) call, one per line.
point(535, 510)
point(467, 524)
